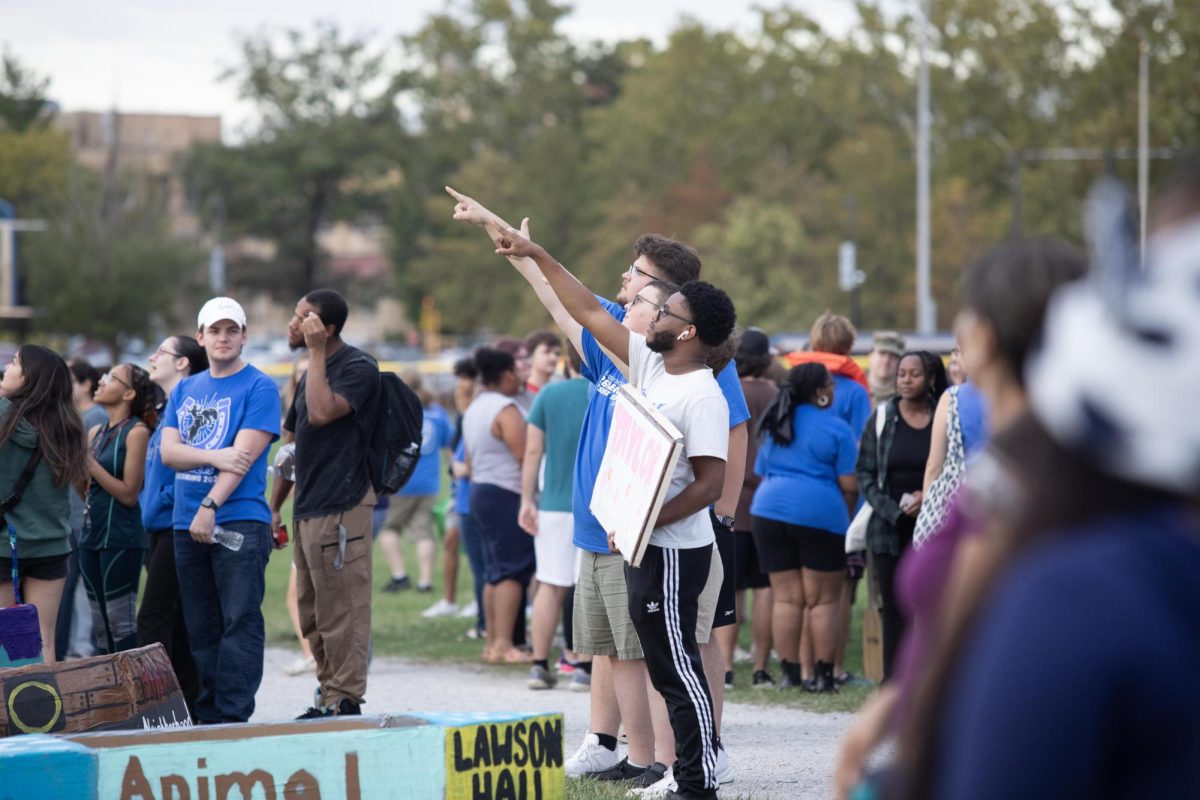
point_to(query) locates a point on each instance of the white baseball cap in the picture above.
(220, 308)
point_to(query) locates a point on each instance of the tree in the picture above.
(23, 103)
(107, 267)
(324, 149)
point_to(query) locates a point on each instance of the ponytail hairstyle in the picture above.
(189, 348)
(492, 364)
(144, 404)
(46, 403)
(801, 386)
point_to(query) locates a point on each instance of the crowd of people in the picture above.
(1027, 526)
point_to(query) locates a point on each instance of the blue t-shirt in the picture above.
(436, 434)
(157, 497)
(606, 380)
(851, 402)
(462, 486)
(208, 412)
(800, 481)
(1079, 680)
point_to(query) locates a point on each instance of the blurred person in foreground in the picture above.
(1003, 304)
(1093, 562)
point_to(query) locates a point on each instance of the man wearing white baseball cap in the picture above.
(217, 428)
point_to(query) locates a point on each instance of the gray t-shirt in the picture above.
(491, 460)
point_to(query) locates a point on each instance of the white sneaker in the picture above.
(442, 608)
(471, 609)
(742, 656)
(301, 665)
(724, 769)
(660, 789)
(590, 757)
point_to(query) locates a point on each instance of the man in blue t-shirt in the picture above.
(217, 428)
(661, 265)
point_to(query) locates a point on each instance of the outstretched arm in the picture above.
(576, 298)
(467, 209)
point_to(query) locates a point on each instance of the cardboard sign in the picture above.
(136, 689)
(635, 473)
(20, 637)
(517, 760)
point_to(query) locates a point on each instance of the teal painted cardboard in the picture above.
(46, 767)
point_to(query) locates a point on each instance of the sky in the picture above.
(165, 56)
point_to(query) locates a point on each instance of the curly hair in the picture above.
(492, 364)
(144, 404)
(712, 311)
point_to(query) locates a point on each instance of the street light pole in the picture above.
(926, 322)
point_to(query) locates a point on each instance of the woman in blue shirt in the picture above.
(799, 516)
(160, 618)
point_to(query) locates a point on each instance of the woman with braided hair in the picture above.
(113, 546)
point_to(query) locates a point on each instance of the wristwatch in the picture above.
(208, 502)
(726, 520)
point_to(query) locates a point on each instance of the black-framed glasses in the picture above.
(634, 270)
(663, 310)
(162, 351)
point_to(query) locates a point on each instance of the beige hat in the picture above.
(888, 342)
(220, 308)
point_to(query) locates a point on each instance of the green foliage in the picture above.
(107, 267)
(23, 102)
(33, 167)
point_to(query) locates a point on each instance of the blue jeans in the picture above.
(222, 594)
(473, 544)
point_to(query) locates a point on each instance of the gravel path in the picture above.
(780, 753)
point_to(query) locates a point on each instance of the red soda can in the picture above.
(281, 536)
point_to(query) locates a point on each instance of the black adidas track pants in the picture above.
(663, 595)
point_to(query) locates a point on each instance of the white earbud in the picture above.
(681, 336)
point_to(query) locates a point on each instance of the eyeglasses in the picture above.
(664, 311)
(162, 351)
(637, 298)
(634, 270)
(112, 376)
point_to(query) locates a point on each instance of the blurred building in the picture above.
(149, 144)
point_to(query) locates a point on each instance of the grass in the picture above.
(399, 629)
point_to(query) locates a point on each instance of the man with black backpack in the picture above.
(333, 417)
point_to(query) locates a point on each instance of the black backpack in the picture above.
(394, 441)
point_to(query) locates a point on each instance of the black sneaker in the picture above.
(729, 679)
(653, 774)
(623, 771)
(397, 585)
(762, 679)
(316, 712)
(346, 708)
(424, 588)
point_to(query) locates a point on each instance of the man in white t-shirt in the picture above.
(669, 366)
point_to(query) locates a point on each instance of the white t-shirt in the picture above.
(695, 404)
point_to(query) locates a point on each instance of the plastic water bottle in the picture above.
(227, 538)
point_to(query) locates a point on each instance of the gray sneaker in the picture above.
(580, 681)
(541, 678)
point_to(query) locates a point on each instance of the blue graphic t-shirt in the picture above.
(157, 497)
(606, 379)
(208, 412)
(436, 434)
(800, 480)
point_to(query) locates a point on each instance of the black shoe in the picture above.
(316, 712)
(824, 682)
(424, 588)
(623, 771)
(346, 708)
(653, 774)
(762, 679)
(844, 678)
(729, 679)
(397, 585)
(809, 685)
